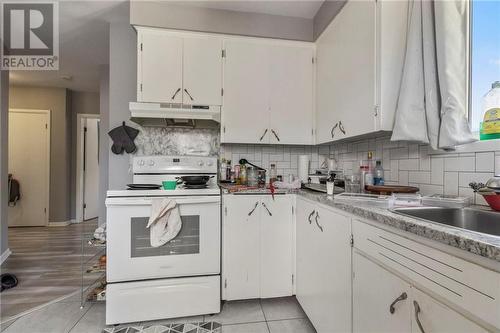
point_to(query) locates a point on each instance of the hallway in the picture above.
(47, 263)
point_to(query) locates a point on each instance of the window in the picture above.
(485, 57)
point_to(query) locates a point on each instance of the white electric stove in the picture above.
(180, 278)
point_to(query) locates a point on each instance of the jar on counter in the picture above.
(252, 176)
(243, 174)
(273, 173)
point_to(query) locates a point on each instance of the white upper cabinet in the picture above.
(291, 102)
(159, 64)
(268, 92)
(245, 111)
(179, 68)
(202, 71)
(359, 63)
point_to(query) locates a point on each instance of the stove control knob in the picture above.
(151, 163)
(200, 163)
(141, 162)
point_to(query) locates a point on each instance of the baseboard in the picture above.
(5, 255)
(59, 224)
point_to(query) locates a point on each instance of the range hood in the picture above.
(174, 115)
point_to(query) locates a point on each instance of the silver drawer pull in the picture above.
(254, 208)
(341, 127)
(276, 135)
(333, 129)
(191, 97)
(317, 223)
(401, 297)
(264, 205)
(175, 94)
(417, 318)
(310, 216)
(263, 135)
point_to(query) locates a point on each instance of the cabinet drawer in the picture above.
(472, 287)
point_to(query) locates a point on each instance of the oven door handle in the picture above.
(146, 201)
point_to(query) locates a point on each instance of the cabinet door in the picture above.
(202, 71)
(434, 316)
(374, 290)
(276, 256)
(245, 113)
(159, 67)
(306, 278)
(345, 86)
(291, 100)
(332, 294)
(241, 247)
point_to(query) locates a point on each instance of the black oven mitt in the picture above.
(123, 139)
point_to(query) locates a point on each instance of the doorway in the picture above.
(87, 177)
(29, 164)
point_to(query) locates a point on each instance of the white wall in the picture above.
(165, 15)
(122, 90)
(4, 135)
(104, 141)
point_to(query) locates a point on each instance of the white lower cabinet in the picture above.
(375, 290)
(257, 246)
(323, 268)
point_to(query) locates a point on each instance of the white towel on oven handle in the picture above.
(165, 221)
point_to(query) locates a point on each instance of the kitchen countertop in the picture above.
(484, 245)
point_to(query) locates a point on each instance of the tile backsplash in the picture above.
(404, 163)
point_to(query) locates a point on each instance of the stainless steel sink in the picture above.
(486, 222)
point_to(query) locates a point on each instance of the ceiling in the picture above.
(84, 40)
(83, 45)
(298, 8)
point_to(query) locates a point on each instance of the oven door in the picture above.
(194, 251)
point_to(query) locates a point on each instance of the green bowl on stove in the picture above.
(169, 184)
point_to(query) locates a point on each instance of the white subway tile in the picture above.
(403, 178)
(410, 164)
(419, 177)
(394, 174)
(485, 162)
(478, 177)
(399, 153)
(461, 163)
(466, 192)
(426, 189)
(451, 183)
(497, 164)
(437, 171)
(425, 159)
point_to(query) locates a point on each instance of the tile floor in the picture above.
(278, 315)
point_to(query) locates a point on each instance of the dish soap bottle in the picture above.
(378, 174)
(490, 127)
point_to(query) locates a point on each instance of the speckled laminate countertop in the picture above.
(487, 246)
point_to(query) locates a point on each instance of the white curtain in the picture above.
(432, 104)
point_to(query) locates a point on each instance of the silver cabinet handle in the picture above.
(317, 223)
(254, 208)
(310, 216)
(341, 127)
(333, 129)
(401, 297)
(191, 97)
(264, 205)
(263, 135)
(276, 135)
(176, 92)
(417, 312)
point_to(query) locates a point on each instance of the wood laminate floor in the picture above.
(47, 262)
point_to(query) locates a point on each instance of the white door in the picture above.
(29, 140)
(159, 65)
(345, 88)
(91, 169)
(306, 278)
(332, 295)
(202, 71)
(374, 291)
(434, 316)
(291, 100)
(241, 247)
(245, 114)
(276, 255)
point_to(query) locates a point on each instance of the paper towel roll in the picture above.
(303, 164)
